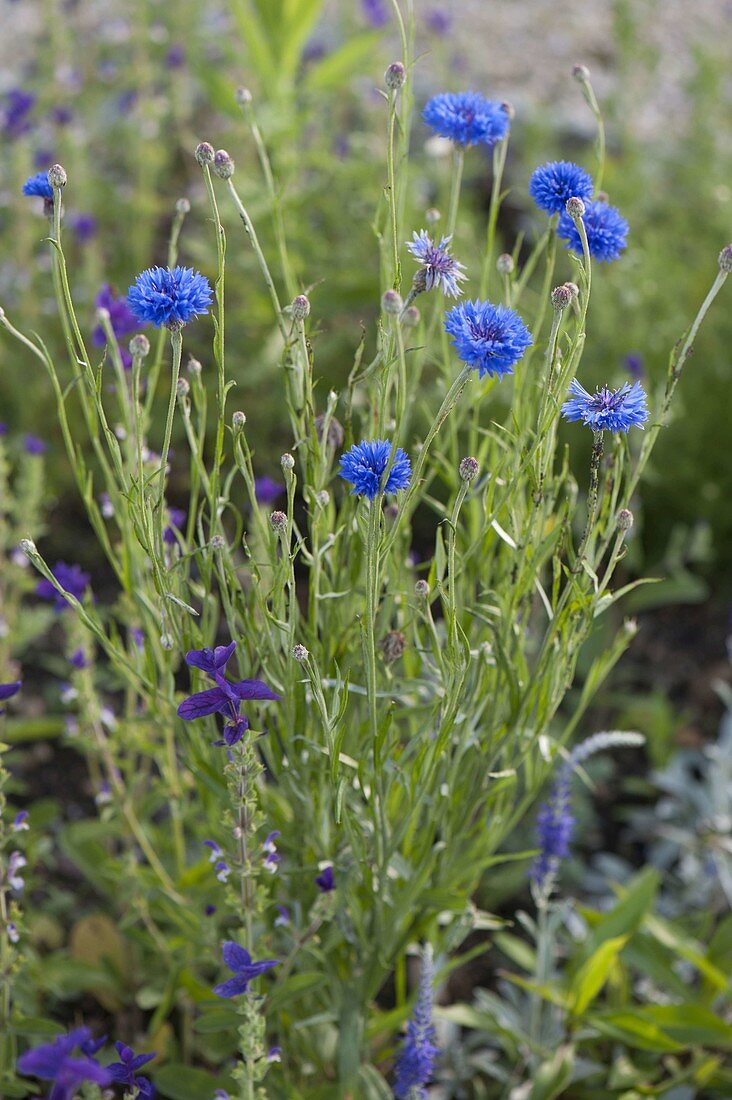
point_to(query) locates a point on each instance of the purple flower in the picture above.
(467, 118)
(39, 185)
(438, 21)
(21, 822)
(138, 637)
(365, 464)
(245, 970)
(61, 115)
(634, 365)
(55, 1062)
(121, 318)
(606, 229)
(17, 106)
(326, 881)
(607, 410)
(34, 445)
(226, 697)
(170, 297)
(83, 226)
(124, 1072)
(552, 184)
(554, 829)
(272, 858)
(78, 659)
(283, 917)
(7, 691)
(72, 579)
(267, 490)
(439, 268)
(177, 518)
(214, 848)
(376, 12)
(490, 339)
(175, 57)
(415, 1064)
(222, 869)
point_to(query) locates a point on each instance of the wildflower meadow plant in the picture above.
(403, 630)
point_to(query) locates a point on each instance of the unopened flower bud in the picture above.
(421, 589)
(509, 109)
(194, 368)
(28, 547)
(182, 387)
(602, 196)
(391, 302)
(468, 469)
(725, 259)
(218, 542)
(411, 317)
(182, 207)
(561, 297)
(167, 641)
(393, 645)
(575, 208)
(323, 498)
(243, 96)
(238, 421)
(395, 76)
(581, 73)
(432, 216)
(504, 264)
(139, 346)
(205, 153)
(625, 519)
(57, 176)
(300, 307)
(287, 462)
(336, 434)
(278, 521)
(300, 653)
(573, 289)
(223, 165)
(391, 511)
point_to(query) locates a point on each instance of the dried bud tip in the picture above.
(300, 307)
(204, 153)
(139, 346)
(167, 641)
(504, 264)
(468, 469)
(575, 208)
(287, 462)
(725, 259)
(625, 519)
(392, 646)
(573, 289)
(278, 521)
(57, 176)
(335, 435)
(561, 297)
(300, 653)
(223, 165)
(323, 498)
(395, 76)
(238, 420)
(218, 542)
(194, 368)
(391, 302)
(581, 73)
(432, 216)
(243, 97)
(182, 207)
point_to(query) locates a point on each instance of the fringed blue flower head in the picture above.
(552, 184)
(365, 464)
(160, 296)
(489, 338)
(38, 185)
(467, 118)
(606, 229)
(438, 266)
(607, 410)
(415, 1064)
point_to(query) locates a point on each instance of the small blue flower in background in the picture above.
(282, 919)
(124, 1072)
(7, 691)
(161, 296)
(272, 857)
(326, 881)
(467, 118)
(489, 338)
(226, 697)
(245, 970)
(214, 849)
(552, 184)
(607, 410)
(267, 490)
(364, 466)
(14, 120)
(121, 318)
(634, 365)
(607, 232)
(38, 185)
(175, 57)
(376, 12)
(177, 518)
(222, 869)
(56, 1062)
(33, 445)
(20, 823)
(554, 828)
(78, 659)
(83, 226)
(16, 863)
(416, 1061)
(72, 578)
(438, 21)
(438, 266)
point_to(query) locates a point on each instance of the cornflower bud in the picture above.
(243, 97)
(581, 73)
(725, 259)
(182, 387)
(411, 317)
(300, 307)
(391, 302)
(504, 264)
(102, 315)
(57, 176)
(28, 547)
(432, 216)
(575, 208)
(182, 206)
(392, 646)
(323, 498)
(573, 289)
(238, 420)
(139, 346)
(218, 542)
(278, 522)
(395, 76)
(300, 653)
(287, 462)
(561, 297)
(625, 519)
(421, 589)
(194, 368)
(468, 469)
(223, 165)
(204, 153)
(336, 434)
(167, 641)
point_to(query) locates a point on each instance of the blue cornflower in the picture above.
(326, 881)
(415, 1063)
(438, 266)
(121, 318)
(245, 970)
(39, 185)
(607, 410)
(56, 1062)
(606, 230)
(72, 578)
(552, 184)
(467, 118)
(489, 338)
(364, 466)
(226, 697)
(124, 1072)
(15, 111)
(160, 296)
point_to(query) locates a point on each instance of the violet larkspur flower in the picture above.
(33, 445)
(124, 1072)
(552, 184)
(438, 266)
(245, 970)
(121, 318)
(72, 578)
(467, 118)
(606, 229)
(161, 296)
(326, 881)
(415, 1064)
(56, 1062)
(607, 410)
(226, 697)
(16, 108)
(38, 185)
(365, 464)
(488, 338)
(78, 659)
(222, 869)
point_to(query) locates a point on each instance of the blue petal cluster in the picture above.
(124, 1072)
(364, 466)
(227, 697)
(552, 184)
(467, 118)
(38, 185)
(438, 266)
(489, 338)
(58, 1062)
(245, 970)
(607, 410)
(606, 228)
(160, 296)
(554, 829)
(415, 1064)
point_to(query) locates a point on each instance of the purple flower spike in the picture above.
(245, 970)
(124, 1072)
